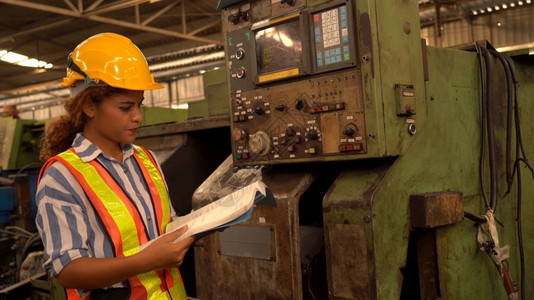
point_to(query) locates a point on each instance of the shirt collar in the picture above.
(89, 151)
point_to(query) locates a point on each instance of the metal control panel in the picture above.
(295, 84)
(310, 118)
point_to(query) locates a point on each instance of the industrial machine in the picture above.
(396, 167)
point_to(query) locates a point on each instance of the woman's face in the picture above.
(115, 120)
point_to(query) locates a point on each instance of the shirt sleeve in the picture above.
(61, 218)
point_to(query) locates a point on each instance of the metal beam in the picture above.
(159, 13)
(93, 17)
(35, 29)
(94, 5)
(200, 29)
(69, 4)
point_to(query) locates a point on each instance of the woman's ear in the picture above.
(89, 109)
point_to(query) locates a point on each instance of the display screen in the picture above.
(279, 47)
(332, 45)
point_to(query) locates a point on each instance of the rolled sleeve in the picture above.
(62, 223)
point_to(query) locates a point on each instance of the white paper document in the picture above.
(229, 210)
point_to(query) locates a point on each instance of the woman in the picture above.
(99, 196)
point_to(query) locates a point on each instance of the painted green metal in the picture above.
(161, 115)
(19, 142)
(216, 94)
(443, 157)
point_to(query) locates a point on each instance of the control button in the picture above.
(238, 156)
(238, 134)
(238, 102)
(350, 147)
(240, 73)
(291, 148)
(244, 155)
(312, 150)
(240, 53)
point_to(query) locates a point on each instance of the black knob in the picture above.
(233, 18)
(245, 15)
(299, 104)
(348, 131)
(259, 111)
(312, 134)
(280, 107)
(290, 131)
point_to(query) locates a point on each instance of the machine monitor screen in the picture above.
(279, 47)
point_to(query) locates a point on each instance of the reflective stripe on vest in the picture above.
(122, 220)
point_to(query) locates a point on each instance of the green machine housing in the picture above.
(371, 143)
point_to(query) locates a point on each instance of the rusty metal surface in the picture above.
(427, 262)
(231, 277)
(436, 209)
(348, 261)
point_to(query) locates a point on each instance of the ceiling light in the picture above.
(23, 60)
(34, 63)
(12, 57)
(490, 9)
(528, 1)
(520, 2)
(512, 4)
(497, 7)
(482, 11)
(499, 24)
(475, 12)
(504, 6)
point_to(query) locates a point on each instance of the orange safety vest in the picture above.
(122, 221)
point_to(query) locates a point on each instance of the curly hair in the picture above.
(62, 130)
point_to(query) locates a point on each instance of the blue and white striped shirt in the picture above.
(68, 224)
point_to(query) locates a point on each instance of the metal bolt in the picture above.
(407, 27)
(412, 129)
(371, 135)
(367, 218)
(365, 58)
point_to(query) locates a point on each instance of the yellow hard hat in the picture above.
(112, 59)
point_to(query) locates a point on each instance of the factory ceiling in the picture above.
(165, 30)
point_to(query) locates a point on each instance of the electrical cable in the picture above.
(509, 95)
(511, 77)
(490, 128)
(520, 233)
(483, 126)
(520, 157)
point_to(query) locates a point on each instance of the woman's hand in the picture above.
(94, 273)
(164, 253)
